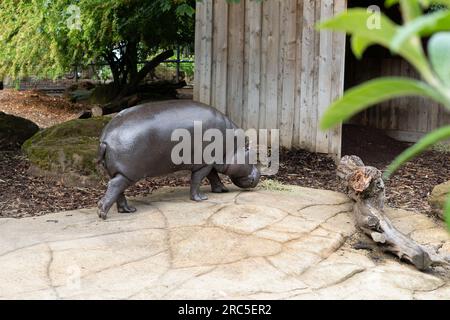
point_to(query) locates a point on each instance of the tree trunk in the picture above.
(129, 95)
(164, 89)
(132, 86)
(366, 187)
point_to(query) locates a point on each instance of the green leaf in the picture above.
(390, 3)
(442, 2)
(357, 22)
(424, 25)
(410, 9)
(359, 45)
(439, 52)
(422, 145)
(372, 92)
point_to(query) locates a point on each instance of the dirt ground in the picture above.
(42, 109)
(22, 194)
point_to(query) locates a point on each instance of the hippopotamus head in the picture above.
(246, 177)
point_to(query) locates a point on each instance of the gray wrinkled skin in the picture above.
(137, 144)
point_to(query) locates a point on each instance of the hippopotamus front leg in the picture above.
(216, 184)
(116, 187)
(196, 179)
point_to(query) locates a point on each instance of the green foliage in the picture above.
(373, 92)
(47, 37)
(438, 50)
(421, 18)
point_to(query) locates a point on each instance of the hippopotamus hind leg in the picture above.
(123, 206)
(216, 184)
(116, 187)
(196, 179)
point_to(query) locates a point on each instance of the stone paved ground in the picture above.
(294, 244)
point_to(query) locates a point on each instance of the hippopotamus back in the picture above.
(138, 140)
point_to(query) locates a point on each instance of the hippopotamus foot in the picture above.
(196, 179)
(116, 187)
(123, 206)
(216, 184)
(199, 197)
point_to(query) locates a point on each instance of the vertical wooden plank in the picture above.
(281, 43)
(246, 63)
(236, 61)
(413, 109)
(298, 73)
(289, 18)
(337, 79)
(384, 108)
(273, 54)
(433, 116)
(400, 103)
(220, 55)
(265, 23)
(198, 56)
(206, 52)
(308, 116)
(443, 117)
(325, 63)
(254, 10)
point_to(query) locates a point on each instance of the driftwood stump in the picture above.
(366, 187)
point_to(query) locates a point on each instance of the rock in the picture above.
(262, 244)
(67, 151)
(14, 131)
(438, 197)
(97, 111)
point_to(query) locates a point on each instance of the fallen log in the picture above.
(156, 91)
(364, 185)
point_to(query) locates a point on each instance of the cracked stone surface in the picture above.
(295, 244)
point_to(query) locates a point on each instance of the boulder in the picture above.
(438, 197)
(67, 151)
(14, 131)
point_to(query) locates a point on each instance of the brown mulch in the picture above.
(24, 195)
(42, 109)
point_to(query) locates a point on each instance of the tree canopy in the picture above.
(47, 37)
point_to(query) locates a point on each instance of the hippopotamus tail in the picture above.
(101, 153)
(101, 163)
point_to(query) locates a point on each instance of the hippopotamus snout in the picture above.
(249, 181)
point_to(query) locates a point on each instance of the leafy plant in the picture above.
(422, 18)
(48, 37)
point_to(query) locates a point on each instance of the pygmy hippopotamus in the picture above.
(137, 143)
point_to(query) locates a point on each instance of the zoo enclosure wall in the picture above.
(266, 66)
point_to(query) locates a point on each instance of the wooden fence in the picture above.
(266, 66)
(406, 119)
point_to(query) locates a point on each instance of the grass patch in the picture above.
(274, 185)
